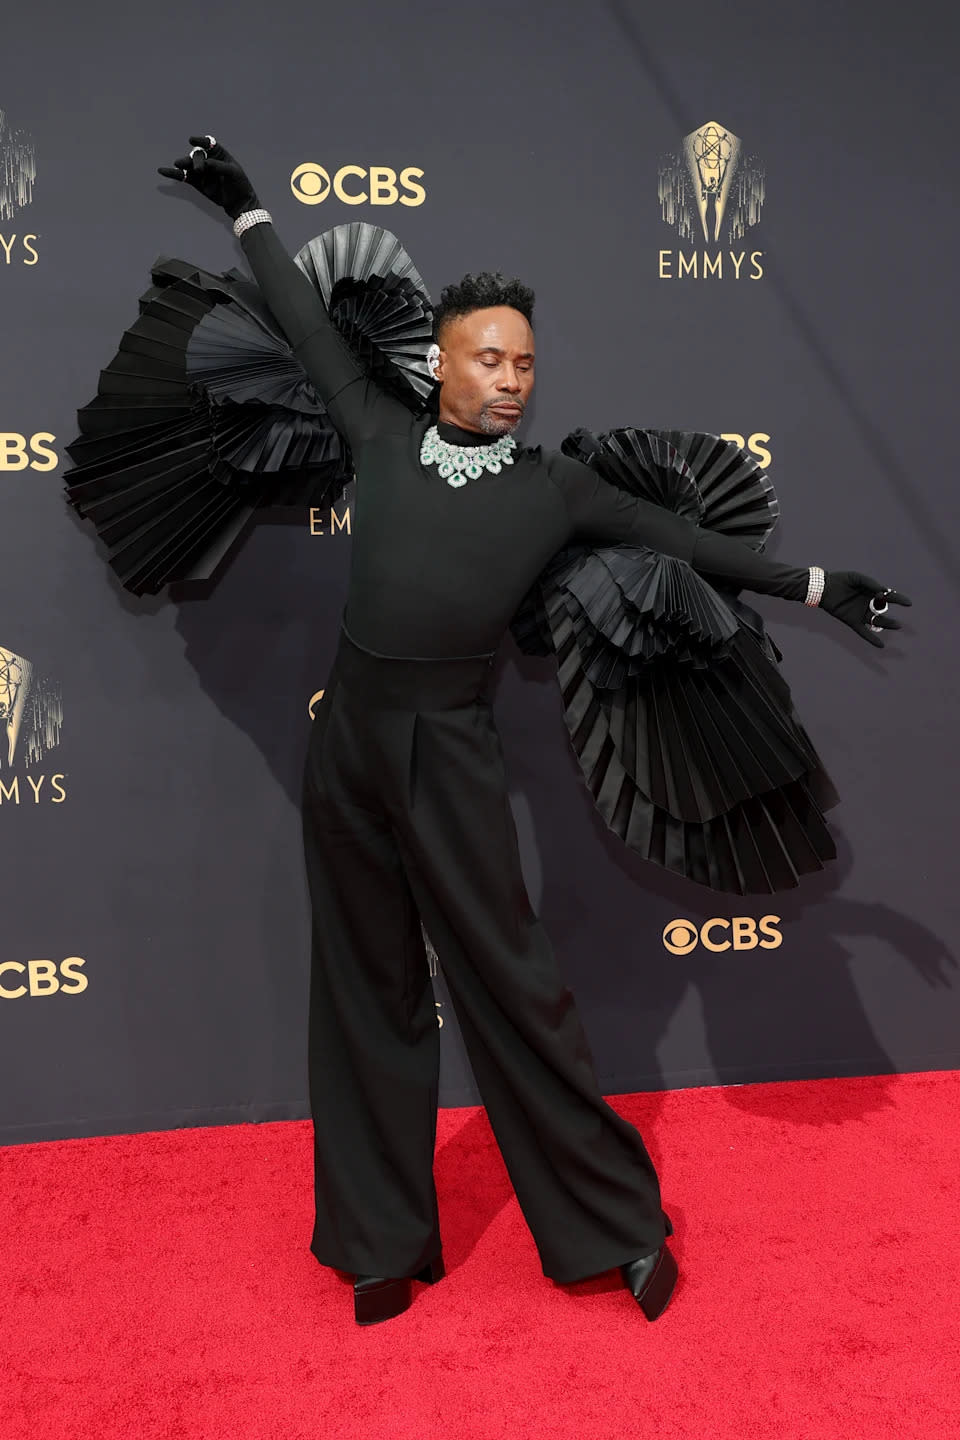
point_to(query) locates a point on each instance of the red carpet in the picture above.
(159, 1287)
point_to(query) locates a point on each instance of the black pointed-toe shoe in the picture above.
(651, 1281)
(376, 1299)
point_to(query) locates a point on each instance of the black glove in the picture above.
(214, 172)
(847, 595)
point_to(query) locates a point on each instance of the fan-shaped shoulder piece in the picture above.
(377, 299)
(683, 728)
(644, 464)
(205, 415)
(738, 496)
(202, 417)
(735, 494)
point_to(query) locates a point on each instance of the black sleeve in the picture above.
(729, 559)
(600, 511)
(355, 403)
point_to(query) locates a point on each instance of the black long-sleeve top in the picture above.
(438, 570)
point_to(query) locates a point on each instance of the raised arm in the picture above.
(600, 511)
(351, 397)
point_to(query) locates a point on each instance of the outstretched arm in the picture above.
(600, 511)
(348, 393)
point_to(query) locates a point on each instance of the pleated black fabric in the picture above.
(205, 415)
(177, 453)
(701, 476)
(683, 727)
(379, 304)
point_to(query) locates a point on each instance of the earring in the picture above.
(433, 360)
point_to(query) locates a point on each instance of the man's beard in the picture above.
(492, 424)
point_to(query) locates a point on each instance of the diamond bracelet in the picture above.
(251, 217)
(815, 585)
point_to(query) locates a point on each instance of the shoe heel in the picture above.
(376, 1300)
(433, 1272)
(657, 1292)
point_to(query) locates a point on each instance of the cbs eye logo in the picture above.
(358, 185)
(740, 933)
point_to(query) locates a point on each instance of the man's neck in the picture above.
(456, 434)
(445, 418)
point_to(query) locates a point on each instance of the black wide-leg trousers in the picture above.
(406, 816)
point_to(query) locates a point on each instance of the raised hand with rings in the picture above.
(213, 171)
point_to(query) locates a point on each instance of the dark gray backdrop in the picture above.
(172, 867)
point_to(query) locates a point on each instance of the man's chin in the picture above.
(492, 424)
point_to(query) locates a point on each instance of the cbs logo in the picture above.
(754, 444)
(376, 185)
(43, 977)
(16, 451)
(740, 933)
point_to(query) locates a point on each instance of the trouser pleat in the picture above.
(373, 1045)
(406, 816)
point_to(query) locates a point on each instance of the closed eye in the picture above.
(492, 365)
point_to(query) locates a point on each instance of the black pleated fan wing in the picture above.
(682, 725)
(205, 415)
(738, 498)
(379, 303)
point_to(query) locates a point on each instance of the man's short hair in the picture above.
(479, 292)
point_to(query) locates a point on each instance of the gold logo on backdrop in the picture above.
(358, 184)
(27, 452)
(42, 977)
(31, 714)
(711, 155)
(756, 445)
(711, 191)
(329, 522)
(741, 932)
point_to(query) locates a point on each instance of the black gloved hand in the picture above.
(214, 172)
(847, 595)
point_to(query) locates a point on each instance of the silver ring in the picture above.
(876, 628)
(211, 141)
(198, 150)
(876, 609)
(183, 172)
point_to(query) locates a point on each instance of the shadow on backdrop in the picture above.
(758, 1014)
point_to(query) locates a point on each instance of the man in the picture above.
(406, 815)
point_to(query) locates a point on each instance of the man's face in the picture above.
(486, 369)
